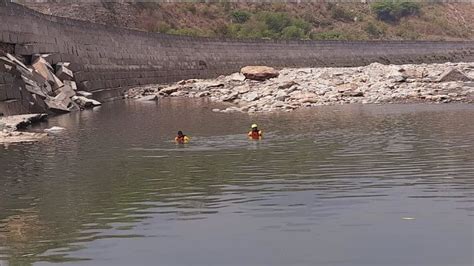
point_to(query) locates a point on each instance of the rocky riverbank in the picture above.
(293, 88)
(10, 125)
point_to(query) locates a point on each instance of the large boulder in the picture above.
(259, 72)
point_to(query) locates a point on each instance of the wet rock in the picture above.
(148, 98)
(54, 129)
(85, 93)
(169, 90)
(259, 73)
(85, 103)
(16, 122)
(57, 105)
(18, 137)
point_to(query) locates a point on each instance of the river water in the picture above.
(343, 185)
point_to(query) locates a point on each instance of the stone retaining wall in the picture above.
(106, 60)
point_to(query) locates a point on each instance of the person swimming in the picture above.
(181, 138)
(255, 133)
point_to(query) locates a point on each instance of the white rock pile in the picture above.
(295, 88)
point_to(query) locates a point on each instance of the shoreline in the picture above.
(296, 88)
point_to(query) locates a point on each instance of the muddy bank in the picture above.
(295, 88)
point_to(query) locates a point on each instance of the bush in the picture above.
(162, 27)
(275, 22)
(388, 10)
(408, 9)
(292, 32)
(241, 16)
(341, 14)
(373, 30)
(300, 23)
(328, 35)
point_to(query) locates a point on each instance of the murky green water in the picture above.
(347, 185)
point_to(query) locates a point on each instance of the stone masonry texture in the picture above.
(107, 60)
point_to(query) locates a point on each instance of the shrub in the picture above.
(162, 27)
(406, 8)
(328, 35)
(292, 32)
(373, 30)
(300, 23)
(275, 22)
(341, 14)
(241, 16)
(389, 10)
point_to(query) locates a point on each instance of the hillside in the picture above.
(319, 21)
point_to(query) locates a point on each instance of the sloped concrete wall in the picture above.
(106, 60)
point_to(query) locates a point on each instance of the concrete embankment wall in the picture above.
(106, 60)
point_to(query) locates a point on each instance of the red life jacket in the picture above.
(180, 139)
(255, 134)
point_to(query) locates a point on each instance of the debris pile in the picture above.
(42, 86)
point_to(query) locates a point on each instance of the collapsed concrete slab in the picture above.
(64, 73)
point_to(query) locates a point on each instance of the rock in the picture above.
(259, 73)
(57, 105)
(203, 94)
(399, 78)
(242, 89)
(216, 110)
(85, 93)
(57, 83)
(85, 103)
(71, 84)
(287, 85)
(145, 98)
(231, 97)
(16, 122)
(236, 77)
(281, 95)
(214, 85)
(250, 97)
(453, 75)
(54, 129)
(44, 69)
(19, 64)
(169, 90)
(18, 137)
(63, 73)
(353, 93)
(413, 73)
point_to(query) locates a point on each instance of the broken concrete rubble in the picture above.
(63, 73)
(37, 88)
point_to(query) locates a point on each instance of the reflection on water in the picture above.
(347, 185)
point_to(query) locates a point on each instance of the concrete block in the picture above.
(63, 73)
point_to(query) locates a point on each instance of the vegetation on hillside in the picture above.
(380, 19)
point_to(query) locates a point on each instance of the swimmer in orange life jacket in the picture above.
(255, 133)
(181, 138)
